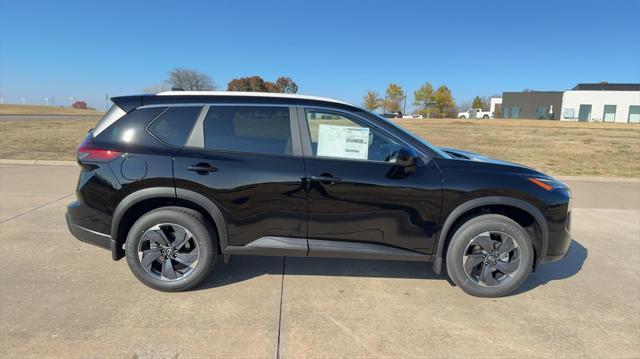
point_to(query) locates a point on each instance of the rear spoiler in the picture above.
(128, 103)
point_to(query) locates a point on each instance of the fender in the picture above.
(165, 192)
(484, 201)
(213, 210)
(128, 202)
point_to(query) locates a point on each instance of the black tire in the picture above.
(463, 252)
(485, 116)
(203, 238)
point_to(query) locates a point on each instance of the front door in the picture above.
(245, 161)
(353, 194)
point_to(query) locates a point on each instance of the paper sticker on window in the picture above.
(343, 142)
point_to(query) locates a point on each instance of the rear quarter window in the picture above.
(130, 128)
(174, 125)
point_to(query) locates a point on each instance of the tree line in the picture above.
(427, 101)
(194, 80)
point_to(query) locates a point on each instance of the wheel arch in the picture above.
(137, 203)
(491, 204)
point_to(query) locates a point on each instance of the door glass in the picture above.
(252, 129)
(584, 113)
(541, 113)
(337, 136)
(609, 114)
(515, 112)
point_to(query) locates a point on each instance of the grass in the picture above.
(558, 148)
(7, 109)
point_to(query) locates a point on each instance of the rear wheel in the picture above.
(171, 248)
(489, 256)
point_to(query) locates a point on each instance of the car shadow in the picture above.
(565, 268)
(242, 268)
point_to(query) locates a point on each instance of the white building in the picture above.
(602, 102)
(495, 101)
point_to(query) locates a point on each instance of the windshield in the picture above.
(414, 136)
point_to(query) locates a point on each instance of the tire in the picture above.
(494, 275)
(158, 233)
(485, 116)
(461, 117)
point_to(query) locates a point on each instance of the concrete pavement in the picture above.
(60, 297)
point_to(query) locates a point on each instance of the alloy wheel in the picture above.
(492, 258)
(168, 252)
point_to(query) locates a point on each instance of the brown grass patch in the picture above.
(558, 148)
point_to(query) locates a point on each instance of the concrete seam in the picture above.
(34, 209)
(284, 261)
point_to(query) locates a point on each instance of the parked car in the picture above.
(391, 115)
(475, 113)
(180, 181)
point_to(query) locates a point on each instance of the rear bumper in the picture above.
(88, 236)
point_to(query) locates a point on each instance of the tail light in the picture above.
(88, 151)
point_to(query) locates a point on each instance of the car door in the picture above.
(354, 193)
(245, 159)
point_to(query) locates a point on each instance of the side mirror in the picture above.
(406, 157)
(406, 163)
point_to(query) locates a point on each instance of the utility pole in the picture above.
(404, 108)
(106, 102)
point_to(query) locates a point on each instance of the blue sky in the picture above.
(340, 49)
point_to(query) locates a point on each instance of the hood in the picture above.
(482, 159)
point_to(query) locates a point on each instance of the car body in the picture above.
(475, 113)
(291, 175)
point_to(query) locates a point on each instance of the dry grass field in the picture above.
(10, 109)
(558, 148)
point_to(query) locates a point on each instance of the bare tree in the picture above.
(190, 80)
(156, 88)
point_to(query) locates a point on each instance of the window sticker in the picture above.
(343, 142)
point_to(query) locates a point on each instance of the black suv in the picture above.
(178, 181)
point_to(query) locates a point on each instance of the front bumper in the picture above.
(88, 236)
(559, 241)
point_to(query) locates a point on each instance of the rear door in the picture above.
(245, 159)
(353, 194)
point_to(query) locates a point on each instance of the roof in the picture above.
(605, 86)
(250, 94)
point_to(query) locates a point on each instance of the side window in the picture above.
(337, 136)
(253, 129)
(174, 125)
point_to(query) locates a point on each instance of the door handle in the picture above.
(202, 168)
(324, 178)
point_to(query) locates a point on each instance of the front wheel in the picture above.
(171, 248)
(489, 256)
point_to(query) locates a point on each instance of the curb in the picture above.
(598, 179)
(39, 163)
(562, 178)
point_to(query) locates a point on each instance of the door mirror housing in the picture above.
(406, 163)
(407, 157)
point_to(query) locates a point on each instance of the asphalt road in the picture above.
(62, 298)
